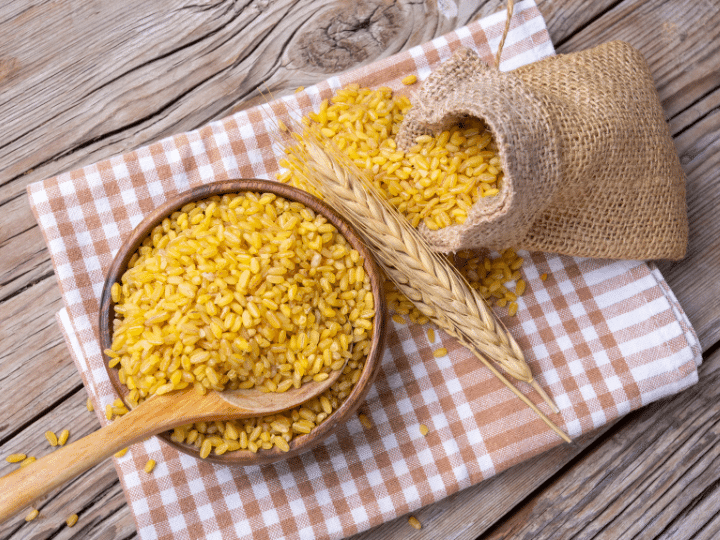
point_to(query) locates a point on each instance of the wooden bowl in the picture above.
(352, 402)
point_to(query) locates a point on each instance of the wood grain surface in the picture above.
(82, 81)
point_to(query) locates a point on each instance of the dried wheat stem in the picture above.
(544, 395)
(519, 394)
(437, 288)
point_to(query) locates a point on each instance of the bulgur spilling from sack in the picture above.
(243, 291)
(434, 183)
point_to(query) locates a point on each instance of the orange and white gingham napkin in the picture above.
(603, 338)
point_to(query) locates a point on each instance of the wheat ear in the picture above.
(436, 288)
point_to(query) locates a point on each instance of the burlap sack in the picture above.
(590, 168)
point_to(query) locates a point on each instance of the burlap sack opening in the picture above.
(590, 169)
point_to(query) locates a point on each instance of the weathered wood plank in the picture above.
(25, 257)
(35, 366)
(696, 279)
(694, 113)
(96, 496)
(680, 41)
(82, 82)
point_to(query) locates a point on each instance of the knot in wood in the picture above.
(348, 35)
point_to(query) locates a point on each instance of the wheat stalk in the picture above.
(436, 287)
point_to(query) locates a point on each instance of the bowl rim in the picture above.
(351, 403)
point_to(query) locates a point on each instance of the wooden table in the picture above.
(82, 81)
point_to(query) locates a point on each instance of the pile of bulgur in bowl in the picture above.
(245, 284)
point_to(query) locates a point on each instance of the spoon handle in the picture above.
(22, 486)
(155, 415)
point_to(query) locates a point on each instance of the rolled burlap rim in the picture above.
(523, 130)
(589, 166)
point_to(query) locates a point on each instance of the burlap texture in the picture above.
(590, 169)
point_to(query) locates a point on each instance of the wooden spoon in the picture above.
(155, 415)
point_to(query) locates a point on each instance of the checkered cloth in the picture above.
(603, 338)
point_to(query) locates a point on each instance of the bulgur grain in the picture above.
(32, 515)
(206, 448)
(439, 353)
(149, 466)
(365, 421)
(520, 287)
(424, 430)
(62, 439)
(431, 335)
(51, 438)
(414, 522)
(71, 520)
(15, 458)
